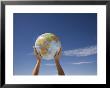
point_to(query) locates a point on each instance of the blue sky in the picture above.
(78, 36)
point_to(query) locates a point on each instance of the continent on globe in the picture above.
(47, 44)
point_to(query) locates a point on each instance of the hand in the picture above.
(58, 55)
(37, 54)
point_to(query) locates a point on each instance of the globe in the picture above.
(47, 45)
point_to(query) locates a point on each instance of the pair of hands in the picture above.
(56, 57)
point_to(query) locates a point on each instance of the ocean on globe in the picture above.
(47, 44)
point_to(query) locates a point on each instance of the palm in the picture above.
(37, 54)
(58, 54)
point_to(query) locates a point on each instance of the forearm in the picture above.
(36, 68)
(59, 68)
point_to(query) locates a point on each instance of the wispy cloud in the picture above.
(50, 64)
(78, 63)
(86, 51)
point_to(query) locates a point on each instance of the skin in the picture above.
(56, 58)
(37, 66)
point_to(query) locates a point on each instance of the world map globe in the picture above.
(47, 45)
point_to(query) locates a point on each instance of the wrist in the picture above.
(38, 60)
(56, 61)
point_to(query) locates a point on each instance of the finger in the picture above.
(35, 51)
(59, 51)
(55, 54)
(38, 53)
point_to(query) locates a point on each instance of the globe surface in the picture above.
(47, 44)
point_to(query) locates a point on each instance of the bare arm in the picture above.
(37, 66)
(59, 68)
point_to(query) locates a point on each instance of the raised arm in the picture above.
(37, 66)
(57, 57)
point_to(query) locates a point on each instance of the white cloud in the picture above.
(86, 51)
(50, 64)
(82, 63)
